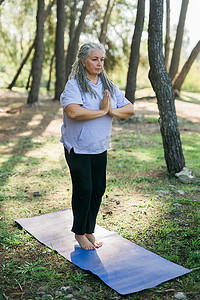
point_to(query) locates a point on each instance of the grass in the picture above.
(141, 203)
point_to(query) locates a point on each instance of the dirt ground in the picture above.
(19, 119)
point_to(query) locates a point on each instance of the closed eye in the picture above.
(94, 59)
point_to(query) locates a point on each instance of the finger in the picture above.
(105, 96)
(106, 93)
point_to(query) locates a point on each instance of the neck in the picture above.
(93, 79)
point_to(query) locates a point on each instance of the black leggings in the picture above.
(88, 173)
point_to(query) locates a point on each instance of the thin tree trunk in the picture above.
(185, 70)
(73, 43)
(28, 81)
(47, 12)
(21, 66)
(73, 20)
(106, 18)
(178, 41)
(59, 49)
(162, 86)
(50, 72)
(167, 38)
(38, 55)
(80, 25)
(135, 52)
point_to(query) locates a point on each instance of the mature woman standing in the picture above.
(89, 101)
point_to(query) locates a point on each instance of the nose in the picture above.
(100, 62)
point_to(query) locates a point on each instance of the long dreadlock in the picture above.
(78, 70)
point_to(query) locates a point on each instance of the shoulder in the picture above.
(71, 93)
(120, 97)
(116, 90)
(72, 82)
(72, 87)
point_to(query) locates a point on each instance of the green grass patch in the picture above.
(141, 203)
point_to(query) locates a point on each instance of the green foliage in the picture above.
(8, 238)
(17, 32)
(35, 271)
(192, 81)
(141, 203)
(17, 29)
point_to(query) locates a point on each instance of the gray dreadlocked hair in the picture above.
(78, 70)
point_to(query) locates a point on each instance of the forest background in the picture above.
(18, 27)
(142, 202)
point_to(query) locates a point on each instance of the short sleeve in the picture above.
(121, 99)
(71, 94)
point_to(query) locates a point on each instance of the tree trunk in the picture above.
(178, 41)
(59, 49)
(21, 66)
(73, 20)
(167, 38)
(50, 71)
(162, 86)
(73, 43)
(47, 12)
(38, 55)
(185, 70)
(104, 25)
(28, 81)
(135, 52)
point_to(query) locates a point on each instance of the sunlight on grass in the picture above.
(145, 156)
(141, 203)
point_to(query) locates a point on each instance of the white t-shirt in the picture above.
(88, 136)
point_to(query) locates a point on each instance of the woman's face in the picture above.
(94, 63)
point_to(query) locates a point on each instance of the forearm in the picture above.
(125, 111)
(81, 113)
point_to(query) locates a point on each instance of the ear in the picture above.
(83, 63)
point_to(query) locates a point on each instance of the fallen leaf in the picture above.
(16, 294)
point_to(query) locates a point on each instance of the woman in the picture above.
(89, 101)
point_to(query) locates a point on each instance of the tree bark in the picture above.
(59, 49)
(47, 12)
(185, 70)
(135, 52)
(50, 71)
(73, 43)
(28, 81)
(73, 19)
(38, 55)
(167, 37)
(106, 18)
(162, 86)
(21, 66)
(178, 41)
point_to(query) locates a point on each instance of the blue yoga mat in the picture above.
(121, 264)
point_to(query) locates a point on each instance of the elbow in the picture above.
(132, 114)
(73, 112)
(131, 111)
(70, 114)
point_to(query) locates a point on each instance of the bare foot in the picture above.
(93, 240)
(84, 242)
